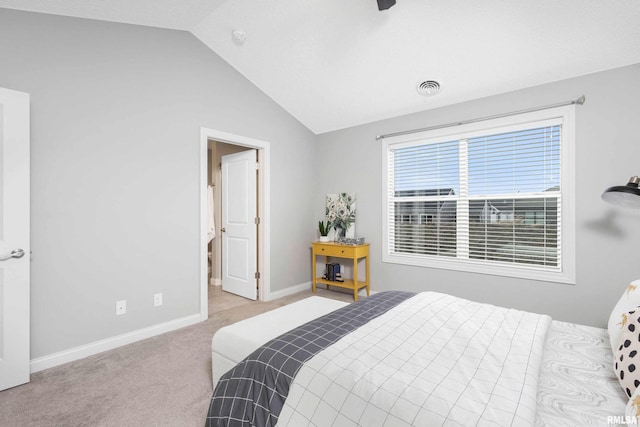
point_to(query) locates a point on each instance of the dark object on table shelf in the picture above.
(333, 271)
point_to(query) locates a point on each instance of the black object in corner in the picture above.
(385, 4)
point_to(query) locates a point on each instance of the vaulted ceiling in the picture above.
(338, 63)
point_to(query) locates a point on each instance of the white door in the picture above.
(239, 229)
(14, 238)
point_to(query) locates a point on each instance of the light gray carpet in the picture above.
(161, 381)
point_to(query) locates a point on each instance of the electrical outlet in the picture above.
(121, 307)
(157, 300)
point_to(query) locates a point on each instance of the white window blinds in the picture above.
(425, 185)
(490, 197)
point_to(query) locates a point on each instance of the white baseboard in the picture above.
(288, 291)
(216, 282)
(86, 350)
(303, 287)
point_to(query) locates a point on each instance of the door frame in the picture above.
(264, 202)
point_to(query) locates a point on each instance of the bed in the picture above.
(407, 359)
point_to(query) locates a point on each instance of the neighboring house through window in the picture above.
(492, 197)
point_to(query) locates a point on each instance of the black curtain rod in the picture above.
(578, 101)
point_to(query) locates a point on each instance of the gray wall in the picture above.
(115, 125)
(607, 239)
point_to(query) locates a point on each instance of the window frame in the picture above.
(566, 273)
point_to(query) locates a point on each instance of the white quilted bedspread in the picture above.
(434, 360)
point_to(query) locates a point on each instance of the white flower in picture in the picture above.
(341, 213)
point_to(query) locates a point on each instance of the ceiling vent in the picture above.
(428, 88)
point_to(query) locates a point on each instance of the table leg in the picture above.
(326, 261)
(366, 262)
(355, 279)
(313, 271)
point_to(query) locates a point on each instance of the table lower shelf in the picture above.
(347, 283)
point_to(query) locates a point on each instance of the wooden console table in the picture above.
(335, 250)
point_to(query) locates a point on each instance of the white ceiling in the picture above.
(339, 63)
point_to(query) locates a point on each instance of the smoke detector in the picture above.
(238, 36)
(428, 88)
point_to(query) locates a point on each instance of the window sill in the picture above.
(481, 267)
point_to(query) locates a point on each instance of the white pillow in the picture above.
(626, 358)
(618, 319)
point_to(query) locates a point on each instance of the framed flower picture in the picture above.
(341, 214)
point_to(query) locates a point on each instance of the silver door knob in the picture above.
(224, 230)
(16, 253)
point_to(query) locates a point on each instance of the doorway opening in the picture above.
(229, 145)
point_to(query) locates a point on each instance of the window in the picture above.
(492, 197)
